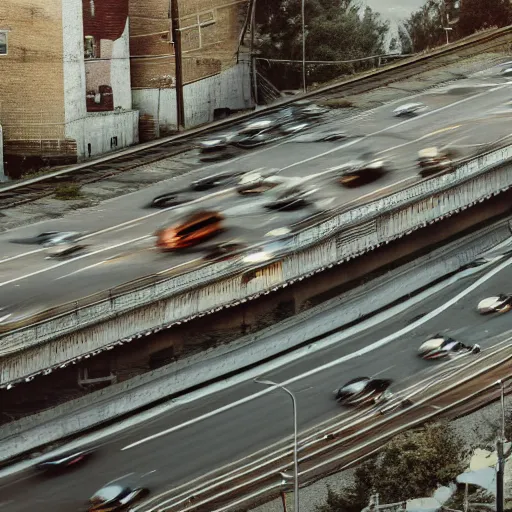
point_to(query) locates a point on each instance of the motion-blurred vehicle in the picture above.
(506, 72)
(64, 461)
(64, 244)
(432, 160)
(409, 109)
(225, 251)
(115, 497)
(217, 147)
(257, 133)
(189, 230)
(440, 347)
(290, 197)
(216, 180)
(363, 390)
(499, 304)
(168, 200)
(358, 172)
(302, 110)
(259, 181)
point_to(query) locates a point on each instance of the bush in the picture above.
(67, 192)
(410, 466)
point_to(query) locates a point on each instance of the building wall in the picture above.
(98, 101)
(32, 96)
(210, 32)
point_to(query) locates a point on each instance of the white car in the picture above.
(409, 109)
(499, 304)
(64, 244)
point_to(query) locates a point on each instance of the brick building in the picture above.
(45, 111)
(71, 69)
(215, 75)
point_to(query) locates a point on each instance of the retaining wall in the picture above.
(86, 330)
(114, 401)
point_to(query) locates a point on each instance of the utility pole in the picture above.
(253, 57)
(176, 37)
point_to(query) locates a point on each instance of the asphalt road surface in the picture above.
(466, 115)
(203, 438)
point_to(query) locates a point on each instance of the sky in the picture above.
(395, 9)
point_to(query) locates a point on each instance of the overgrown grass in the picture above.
(336, 103)
(67, 192)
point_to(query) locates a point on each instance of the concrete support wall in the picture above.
(71, 336)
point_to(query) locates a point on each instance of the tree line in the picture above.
(343, 30)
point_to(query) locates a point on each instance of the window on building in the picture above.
(3, 42)
(89, 47)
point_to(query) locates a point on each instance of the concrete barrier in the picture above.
(114, 401)
(61, 340)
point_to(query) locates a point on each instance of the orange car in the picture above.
(190, 231)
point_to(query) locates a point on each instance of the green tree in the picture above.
(480, 14)
(409, 466)
(424, 28)
(335, 30)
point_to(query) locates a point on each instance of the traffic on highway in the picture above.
(260, 195)
(271, 175)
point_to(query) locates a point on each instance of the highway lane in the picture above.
(456, 118)
(201, 445)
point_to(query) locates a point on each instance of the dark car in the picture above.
(64, 461)
(215, 180)
(115, 497)
(285, 197)
(440, 346)
(433, 161)
(224, 251)
(363, 390)
(168, 200)
(359, 172)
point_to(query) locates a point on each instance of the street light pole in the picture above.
(501, 458)
(267, 382)
(304, 89)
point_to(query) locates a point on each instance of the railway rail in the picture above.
(340, 443)
(30, 190)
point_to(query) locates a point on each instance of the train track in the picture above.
(30, 190)
(347, 439)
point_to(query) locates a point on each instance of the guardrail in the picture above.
(346, 235)
(491, 38)
(323, 448)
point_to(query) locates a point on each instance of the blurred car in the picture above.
(115, 497)
(64, 461)
(432, 160)
(257, 133)
(168, 200)
(333, 137)
(64, 244)
(409, 109)
(506, 72)
(289, 197)
(215, 180)
(216, 148)
(258, 181)
(361, 171)
(225, 250)
(293, 127)
(363, 390)
(440, 346)
(499, 304)
(189, 229)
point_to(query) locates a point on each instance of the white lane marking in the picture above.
(142, 420)
(20, 278)
(20, 255)
(369, 348)
(119, 478)
(383, 130)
